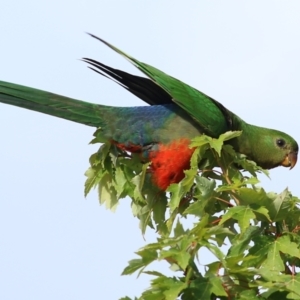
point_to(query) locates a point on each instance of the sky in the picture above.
(54, 242)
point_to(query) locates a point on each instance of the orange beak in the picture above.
(293, 159)
(290, 160)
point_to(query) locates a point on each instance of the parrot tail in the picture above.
(51, 104)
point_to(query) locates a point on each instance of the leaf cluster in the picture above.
(253, 234)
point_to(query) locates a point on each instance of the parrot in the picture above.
(162, 131)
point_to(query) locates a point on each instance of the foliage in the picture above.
(253, 234)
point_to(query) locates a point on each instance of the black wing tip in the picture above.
(99, 39)
(141, 87)
(92, 35)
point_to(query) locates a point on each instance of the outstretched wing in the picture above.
(211, 115)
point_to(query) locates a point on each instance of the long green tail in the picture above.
(140, 125)
(51, 104)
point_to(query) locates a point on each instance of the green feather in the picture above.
(51, 104)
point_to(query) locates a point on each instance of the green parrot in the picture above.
(161, 132)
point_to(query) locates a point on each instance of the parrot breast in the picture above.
(169, 162)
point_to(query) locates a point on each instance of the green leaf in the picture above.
(138, 182)
(217, 287)
(216, 251)
(262, 214)
(249, 295)
(242, 214)
(178, 230)
(133, 265)
(288, 247)
(200, 141)
(293, 285)
(107, 192)
(274, 261)
(279, 208)
(147, 257)
(120, 181)
(258, 253)
(217, 144)
(204, 193)
(177, 191)
(159, 211)
(241, 241)
(93, 178)
(178, 255)
(198, 289)
(174, 290)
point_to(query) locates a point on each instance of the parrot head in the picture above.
(284, 153)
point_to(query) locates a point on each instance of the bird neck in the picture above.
(253, 142)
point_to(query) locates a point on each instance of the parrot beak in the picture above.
(290, 160)
(293, 159)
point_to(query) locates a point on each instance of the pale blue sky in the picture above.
(55, 244)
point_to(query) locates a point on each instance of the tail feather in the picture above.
(51, 104)
(141, 125)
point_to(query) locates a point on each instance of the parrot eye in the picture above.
(280, 143)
